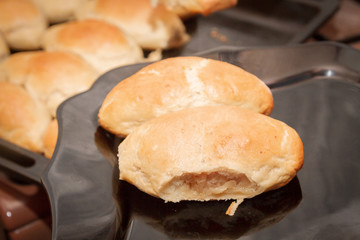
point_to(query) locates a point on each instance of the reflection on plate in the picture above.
(204, 220)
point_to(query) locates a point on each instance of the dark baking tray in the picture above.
(316, 90)
(249, 23)
(257, 23)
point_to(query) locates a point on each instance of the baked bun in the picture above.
(50, 77)
(176, 83)
(210, 153)
(4, 49)
(22, 119)
(190, 8)
(152, 27)
(57, 11)
(22, 24)
(100, 43)
(50, 138)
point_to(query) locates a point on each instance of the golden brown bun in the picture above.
(57, 11)
(4, 48)
(50, 138)
(188, 8)
(14, 69)
(22, 119)
(22, 24)
(50, 77)
(210, 153)
(152, 28)
(100, 43)
(177, 83)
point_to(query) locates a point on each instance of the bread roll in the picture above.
(22, 24)
(100, 43)
(50, 138)
(152, 27)
(4, 49)
(14, 69)
(188, 8)
(57, 11)
(177, 83)
(210, 153)
(22, 119)
(50, 77)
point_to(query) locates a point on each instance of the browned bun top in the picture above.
(57, 11)
(50, 77)
(89, 33)
(100, 43)
(22, 119)
(22, 24)
(178, 83)
(152, 27)
(17, 11)
(189, 8)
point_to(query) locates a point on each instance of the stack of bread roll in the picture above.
(43, 81)
(198, 129)
(53, 49)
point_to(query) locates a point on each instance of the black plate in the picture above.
(257, 23)
(316, 91)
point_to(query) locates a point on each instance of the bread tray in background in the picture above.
(319, 96)
(257, 23)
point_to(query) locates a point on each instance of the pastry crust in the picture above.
(57, 11)
(22, 24)
(210, 153)
(188, 8)
(49, 77)
(101, 44)
(22, 119)
(178, 83)
(152, 27)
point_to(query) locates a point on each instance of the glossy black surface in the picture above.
(202, 220)
(316, 90)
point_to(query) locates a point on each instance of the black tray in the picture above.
(257, 23)
(316, 91)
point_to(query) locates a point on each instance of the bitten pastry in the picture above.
(178, 83)
(152, 27)
(188, 8)
(101, 44)
(57, 11)
(210, 153)
(49, 77)
(22, 24)
(22, 119)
